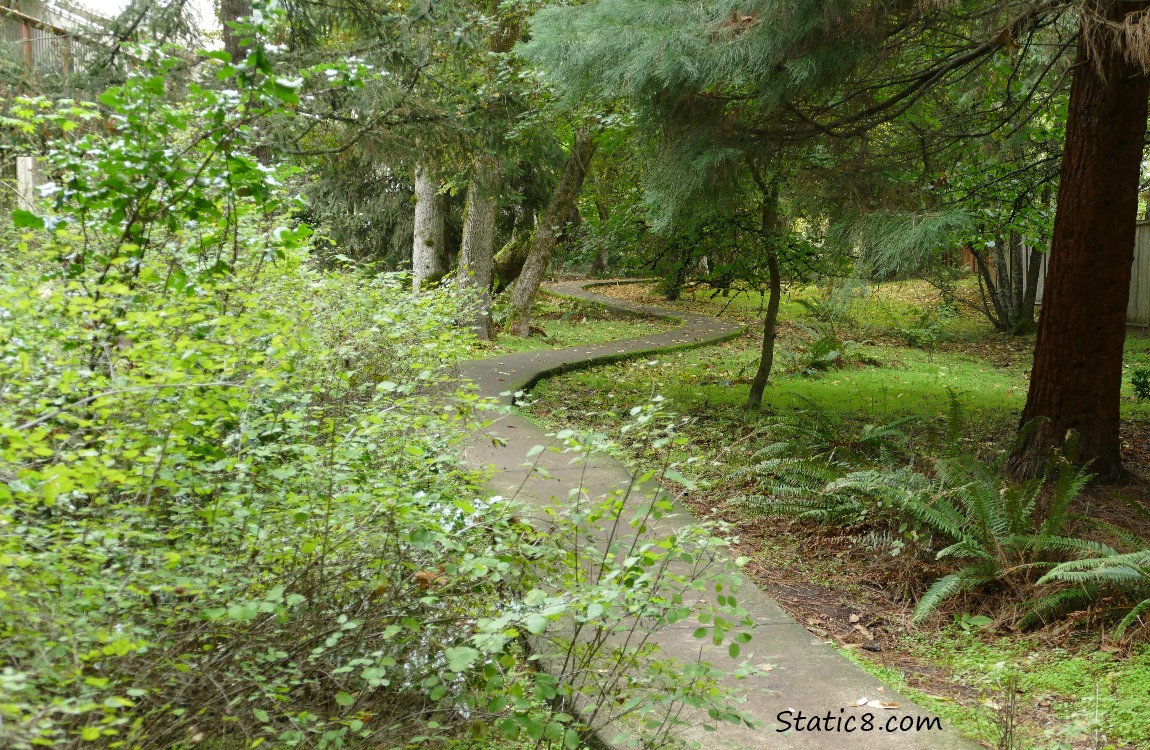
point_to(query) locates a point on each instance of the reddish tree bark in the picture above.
(1077, 373)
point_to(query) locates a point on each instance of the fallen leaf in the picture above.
(855, 618)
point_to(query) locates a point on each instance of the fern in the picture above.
(1126, 537)
(1119, 570)
(1049, 607)
(1127, 572)
(820, 470)
(946, 587)
(1131, 616)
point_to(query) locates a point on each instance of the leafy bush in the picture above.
(925, 331)
(1140, 381)
(232, 510)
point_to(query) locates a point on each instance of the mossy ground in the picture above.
(901, 351)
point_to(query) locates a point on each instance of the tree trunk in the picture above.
(547, 230)
(1077, 373)
(476, 251)
(770, 229)
(510, 259)
(599, 264)
(426, 259)
(230, 11)
(1030, 292)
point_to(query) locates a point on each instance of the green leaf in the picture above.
(534, 727)
(344, 699)
(535, 624)
(459, 658)
(287, 91)
(26, 220)
(90, 734)
(678, 478)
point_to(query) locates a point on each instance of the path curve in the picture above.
(807, 674)
(509, 373)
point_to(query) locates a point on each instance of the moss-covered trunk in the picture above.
(548, 230)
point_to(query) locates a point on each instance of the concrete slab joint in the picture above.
(809, 697)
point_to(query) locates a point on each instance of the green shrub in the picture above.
(232, 510)
(1140, 381)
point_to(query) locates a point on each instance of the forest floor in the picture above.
(871, 356)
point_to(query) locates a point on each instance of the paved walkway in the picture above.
(807, 675)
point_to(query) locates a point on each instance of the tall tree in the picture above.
(477, 250)
(427, 246)
(1077, 375)
(548, 229)
(230, 13)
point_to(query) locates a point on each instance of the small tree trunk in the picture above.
(599, 264)
(1017, 280)
(672, 285)
(770, 229)
(476, 252)
(1030, 292)
(1077, 375)
(547, 231)
(426, 258)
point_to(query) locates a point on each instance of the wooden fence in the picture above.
(33, 37)
(1138, 308)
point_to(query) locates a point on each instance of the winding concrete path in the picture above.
(806, 674)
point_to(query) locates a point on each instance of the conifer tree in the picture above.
(721, 76)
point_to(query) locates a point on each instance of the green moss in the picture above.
(971, 720)
(1090, 691)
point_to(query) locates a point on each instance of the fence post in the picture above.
(26, 39)
(26, 183)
